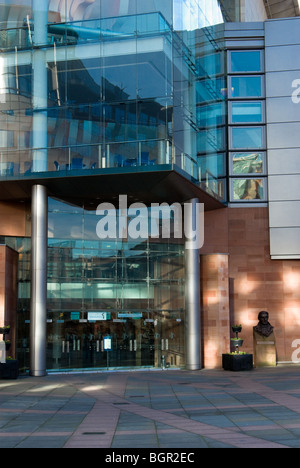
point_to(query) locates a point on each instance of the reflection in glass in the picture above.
(210, 65)
(247, 163)
(212, 170)
(247, 137)
(107, 106)
(116, 278)
(248, 189)
(211, 140)
(210, 89)
(212, 164)
(211, 115)
(246, 86)
(246, 112)
(246, 61)
(192, 14)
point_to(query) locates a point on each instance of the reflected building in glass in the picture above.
(162, 101)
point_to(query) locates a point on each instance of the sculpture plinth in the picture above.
(264, 342)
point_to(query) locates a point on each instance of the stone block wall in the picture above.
(255, 281)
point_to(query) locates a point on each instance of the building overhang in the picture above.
(92, 187)
(282, 8)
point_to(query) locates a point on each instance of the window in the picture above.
(247, 137)
(245, 86)
(213, 164)
(210, 65)
(246, 61)
(247, 133)
(247, 112)
(211, 115)
(211, 140)
(210, 89)
(248, 189)
(6, 139)
(247, 163)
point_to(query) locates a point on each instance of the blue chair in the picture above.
(119, 162)
(56, 164)
(130, 162)
(145, 161)
(76, 163)
(10, 168)
(144, 158)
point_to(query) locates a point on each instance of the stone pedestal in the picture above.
(264, 350)
(2, 352)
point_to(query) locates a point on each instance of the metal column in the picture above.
(192, 294)
(38, 312)
(40, 86)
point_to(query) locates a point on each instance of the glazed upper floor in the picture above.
(180, 15)
(113, 87)
(113, 90)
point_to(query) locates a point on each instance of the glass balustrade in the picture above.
(122, 155)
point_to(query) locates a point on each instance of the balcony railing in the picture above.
(121, 156)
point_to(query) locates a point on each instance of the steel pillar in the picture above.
(38, 312)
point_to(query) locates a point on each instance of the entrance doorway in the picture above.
(135, 342)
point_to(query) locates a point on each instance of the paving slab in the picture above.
(163, 409)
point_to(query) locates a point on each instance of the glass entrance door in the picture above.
(76, 344)
(136, 341)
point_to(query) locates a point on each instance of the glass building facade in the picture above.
(247, 122)
(131, 291)
(104, 85)
(101, 91)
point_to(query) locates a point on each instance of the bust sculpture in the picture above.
(263, 328)
(264, 342)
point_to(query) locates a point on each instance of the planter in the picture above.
(236, 342)
(237, 329)
(9, 370)
(237, 362)
(4, 330)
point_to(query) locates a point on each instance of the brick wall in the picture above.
(255, 282)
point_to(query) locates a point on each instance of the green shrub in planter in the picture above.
(5, 330)
(237, 328)
(237, 341)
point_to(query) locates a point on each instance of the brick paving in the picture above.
(153, 410)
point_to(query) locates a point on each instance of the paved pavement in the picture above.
(170, 409)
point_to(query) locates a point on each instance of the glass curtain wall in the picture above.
(116, 75)
(118, 89)
(130, 291)
(127, 85)
(211, 94)
(247, 132)
(200, 26)
(231, 10)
